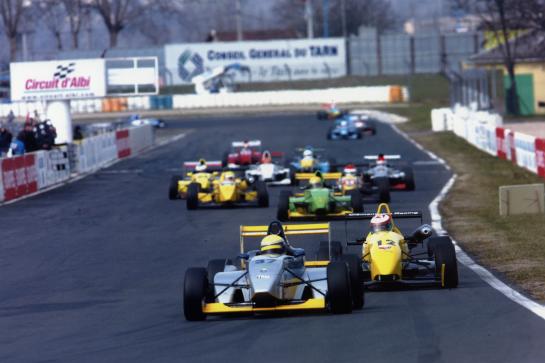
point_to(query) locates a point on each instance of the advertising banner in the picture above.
(500, 143)
(267, 61)
(57, 80)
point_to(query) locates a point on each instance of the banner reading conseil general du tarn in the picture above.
(276, 60)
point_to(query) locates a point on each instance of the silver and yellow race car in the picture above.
(277, 277)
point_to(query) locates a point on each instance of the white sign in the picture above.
(57, 80)
(132, 76)
(276, 60)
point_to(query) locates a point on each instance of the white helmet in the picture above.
(201, 166)
(307, 153)
(349, 170)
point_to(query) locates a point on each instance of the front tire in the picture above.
(445, 258)
(338, 288)
(356, 201)
(356, 279)
(173, 187)
(192, 196)
(409, 177)
(383, 185)
(195, 289)
(283, 206)
(262, 194)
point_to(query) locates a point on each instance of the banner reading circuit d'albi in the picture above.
(276, 60)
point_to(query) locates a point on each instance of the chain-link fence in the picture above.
(371, 54)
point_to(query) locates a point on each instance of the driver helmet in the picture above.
(245, 144)
(266, 157)
(381, 160)
(381, 222)
(307, 153)
(350, 169)
(273, 244)
(201, 166)
(229, 177)
(315, 182)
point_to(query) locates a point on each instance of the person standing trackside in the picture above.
(5, 140)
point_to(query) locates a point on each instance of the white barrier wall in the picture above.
(525, 151)
(364, 94)
(483, 130)
(271, 98)
(141, 138)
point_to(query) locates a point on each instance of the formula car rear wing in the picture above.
(395, 215)
(288, 230)
(325, 176)
(251, 143)
(386, 157)
(214, 165)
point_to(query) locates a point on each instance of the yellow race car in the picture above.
(388, 256)
(227, 189)
(200, 172)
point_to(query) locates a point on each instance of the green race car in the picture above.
(318, 202)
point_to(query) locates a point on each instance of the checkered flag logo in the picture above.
(63, 71)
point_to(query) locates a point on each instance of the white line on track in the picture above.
(79, 177)
(463, 257)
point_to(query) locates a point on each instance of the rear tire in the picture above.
(262, 194)
(444, 253)
(323, 251)
(225, 159)
(409, 177)
(332, 165)
(195, 289)
(356, 201)
(356, 279)
(383, 185)
(192, 196)
(173, 187)
(283, 206)
(338, 288)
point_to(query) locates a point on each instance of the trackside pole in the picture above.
(58, 112)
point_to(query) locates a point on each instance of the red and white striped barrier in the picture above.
(26, 174)
(19, 176)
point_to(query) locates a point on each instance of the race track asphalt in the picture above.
(93, 271)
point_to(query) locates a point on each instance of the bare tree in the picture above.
(117, 14)
(12, 13)
(373, 13)
(501, 18)
(52, 14)
(77, 12)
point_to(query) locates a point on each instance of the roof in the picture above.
(529, 48)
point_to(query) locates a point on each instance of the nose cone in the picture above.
(264, 273)
(228, 193)
(385, 260)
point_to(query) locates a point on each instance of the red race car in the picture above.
(242, 153)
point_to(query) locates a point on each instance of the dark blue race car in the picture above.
(344, 128)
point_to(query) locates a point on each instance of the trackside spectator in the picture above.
(10, 117)
(28, 137)
(5, 140)
(45, 134)
(17, 147)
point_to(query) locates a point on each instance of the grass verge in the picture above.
(514, 246)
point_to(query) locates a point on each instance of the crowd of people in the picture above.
(35, 135)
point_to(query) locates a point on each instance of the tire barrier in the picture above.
(26, 174)
(483, 130)
(364, 94)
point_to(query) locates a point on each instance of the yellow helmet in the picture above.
(273, 243)
(315, 181)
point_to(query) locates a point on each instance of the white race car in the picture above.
(269, 173)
